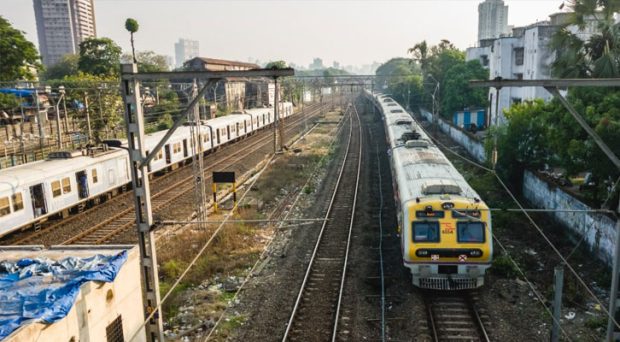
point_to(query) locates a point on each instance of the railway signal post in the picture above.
(140, 159)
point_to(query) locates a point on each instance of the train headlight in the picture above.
(422, 253)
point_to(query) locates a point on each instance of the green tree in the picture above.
(148, 61)
(9, 103)
(457, 92)
(599, 55)
(19, 58)
(132, 26)
(99, 56)
(67, 66)
(105, 104)
(276, 65)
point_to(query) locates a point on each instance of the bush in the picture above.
(504, 267)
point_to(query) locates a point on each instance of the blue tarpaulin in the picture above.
(43, 290)
(17, 92)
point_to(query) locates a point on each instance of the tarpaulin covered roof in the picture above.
(44, 290)
(17, 92)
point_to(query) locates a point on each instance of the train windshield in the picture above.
(426, 231)
(470, 232)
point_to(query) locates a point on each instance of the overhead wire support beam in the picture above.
(552, 85)
(139, 161)
(557, 83)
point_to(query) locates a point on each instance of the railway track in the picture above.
(455, 317)
(315, 314)
(113, 217)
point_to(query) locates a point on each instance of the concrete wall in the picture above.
(97, 305)
(474, 147)
(598, 230)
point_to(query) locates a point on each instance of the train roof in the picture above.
(422, 170)
(36, 172)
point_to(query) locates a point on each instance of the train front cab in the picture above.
(447, 244)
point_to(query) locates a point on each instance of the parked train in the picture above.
(33, 192)
(445, 228)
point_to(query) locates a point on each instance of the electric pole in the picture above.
(134, 122)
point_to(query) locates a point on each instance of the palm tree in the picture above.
(419, 54)
(132, 26)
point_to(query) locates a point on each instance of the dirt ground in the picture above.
(209, 289)
(510, 307)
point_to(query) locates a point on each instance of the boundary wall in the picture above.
(474, 147)
(596, 230)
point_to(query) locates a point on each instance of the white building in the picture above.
(185, 50)
(492, 19)
(103, 310)
(524, 54)
(62, 25)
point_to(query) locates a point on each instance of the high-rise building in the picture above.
(185, 50)
(492, 19)
(62, 25)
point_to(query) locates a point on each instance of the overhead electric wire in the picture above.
(317, 168)
(540, 231)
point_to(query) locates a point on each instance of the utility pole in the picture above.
(87, 110)
(40, 118)
(558, 275)
(134, 120)
(61, 91)
(197, 160)
(552, 86)
(277, 130)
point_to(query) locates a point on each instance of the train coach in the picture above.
(70, 181)
(445, 228)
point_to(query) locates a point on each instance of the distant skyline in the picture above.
(297, 31)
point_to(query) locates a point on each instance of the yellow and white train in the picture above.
(445, 228)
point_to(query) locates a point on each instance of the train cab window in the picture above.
(470, 232)
(18, 201)
(66, 185)
(426, 231)
(94, 174)
(5, 208)
(56, 191)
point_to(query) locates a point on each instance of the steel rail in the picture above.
(181, 187)
(314, 109)
(346, 256)
(309, 268)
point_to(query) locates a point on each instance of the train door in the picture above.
(228, 131)
(218, 135)
(39, 207)
(238, 131)
(82, 184)
(185, 153)
(167, 153)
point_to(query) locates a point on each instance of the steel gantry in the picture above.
(139, 161)
(553, 86)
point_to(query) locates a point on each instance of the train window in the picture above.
(18, 201)
(56, 189)
(111, 177)
(66, 185)
(5, 208)
(470, 232)
(426, 231)
(94, 174)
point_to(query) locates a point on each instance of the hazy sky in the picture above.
(350, 32)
